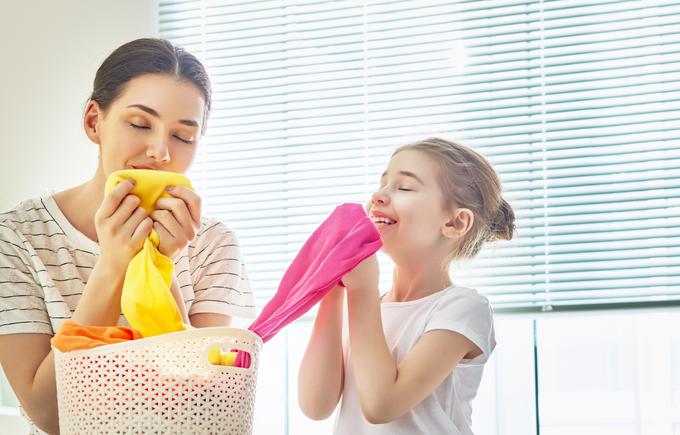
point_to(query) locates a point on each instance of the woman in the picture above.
(64, 255)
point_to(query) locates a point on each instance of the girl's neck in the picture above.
(79, 204)
(417, 280)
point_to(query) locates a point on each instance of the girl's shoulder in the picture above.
(465, 299)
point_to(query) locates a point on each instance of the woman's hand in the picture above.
(177, 220)
(364, 276)
(121, 225)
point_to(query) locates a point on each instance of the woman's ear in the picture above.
(459, 224)
(93, 114)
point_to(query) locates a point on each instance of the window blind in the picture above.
(575, 103)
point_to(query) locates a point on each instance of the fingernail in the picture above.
(133, 182)
(170, 188)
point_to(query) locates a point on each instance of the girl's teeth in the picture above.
(383, 221)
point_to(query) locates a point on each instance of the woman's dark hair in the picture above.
(147, 56)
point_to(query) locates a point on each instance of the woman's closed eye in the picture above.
(186, 141)
(179, 138)
(404, 189)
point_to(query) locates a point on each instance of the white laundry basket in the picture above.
(158, 385)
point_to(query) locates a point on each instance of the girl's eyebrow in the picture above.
(152, 112)
(407, 174)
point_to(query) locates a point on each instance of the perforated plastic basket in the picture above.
(159, 385)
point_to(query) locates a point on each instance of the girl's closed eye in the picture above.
(133, 125)
(404, 189)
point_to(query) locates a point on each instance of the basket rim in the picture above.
(212, 331)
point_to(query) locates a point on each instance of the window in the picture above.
(574, 102)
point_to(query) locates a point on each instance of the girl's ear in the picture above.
(459, 224)
(93, 114)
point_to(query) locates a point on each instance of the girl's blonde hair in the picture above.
(468, 181)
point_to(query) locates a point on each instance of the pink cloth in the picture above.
(345, 239)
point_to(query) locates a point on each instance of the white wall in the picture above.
(50, 51)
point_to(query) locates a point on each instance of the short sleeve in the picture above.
(23, 308)
(468, 313)
(219, 276)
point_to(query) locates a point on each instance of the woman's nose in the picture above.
(158, 150)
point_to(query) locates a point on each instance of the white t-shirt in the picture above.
(45, 263)
(448, 409)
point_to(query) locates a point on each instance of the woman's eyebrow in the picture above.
(407, 174)
(152, 112)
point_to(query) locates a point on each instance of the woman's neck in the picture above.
(79, 204)
(417, 280)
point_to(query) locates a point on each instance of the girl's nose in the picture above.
(379, 197)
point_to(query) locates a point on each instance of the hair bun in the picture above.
(502, 225)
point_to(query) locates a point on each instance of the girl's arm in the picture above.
(321, 375)
(387, 391)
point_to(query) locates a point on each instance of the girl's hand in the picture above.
(177, 220)
(363, 277)
(121, 226)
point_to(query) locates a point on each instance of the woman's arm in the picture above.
(178, 222)
(387, 391)
(321, 375)
(28, 361)
(206, 320)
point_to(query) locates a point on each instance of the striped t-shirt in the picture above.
(45, 263)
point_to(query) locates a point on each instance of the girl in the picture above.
(414, 357)
(64, 255)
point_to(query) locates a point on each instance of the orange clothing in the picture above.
(72, 336)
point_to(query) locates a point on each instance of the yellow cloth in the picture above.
(217, 357)
(146, 301)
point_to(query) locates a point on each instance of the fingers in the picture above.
(172, 225)
(177, 219)
(132, 223)
(168, 244)
(142, 230)
(191, 200)
(185, 206)
(125, 210)
(114, 198)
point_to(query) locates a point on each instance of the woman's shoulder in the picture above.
(24, 217)
(211, 227)
(213, 234)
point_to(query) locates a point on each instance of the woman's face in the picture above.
(154, 123)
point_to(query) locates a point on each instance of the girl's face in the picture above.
(408, 210)
(154, 123)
